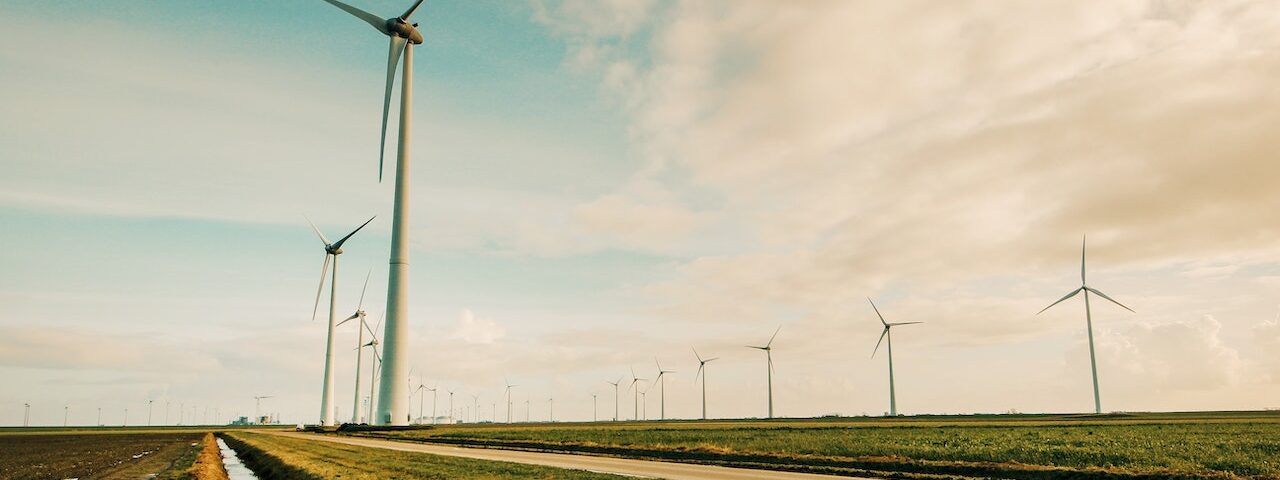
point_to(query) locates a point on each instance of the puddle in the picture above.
(235, 469)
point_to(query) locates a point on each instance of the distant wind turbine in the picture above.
(893, 400)
(702, 364)
(1088, 316)
(374, 365)
(331, 249)
(615, 397)
(662, 389)
(768, 352)
(508, 394)
(594, 408)
(360, 327)
(635, 401)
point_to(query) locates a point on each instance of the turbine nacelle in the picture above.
(395, 26)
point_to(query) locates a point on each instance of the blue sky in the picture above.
(600, 183)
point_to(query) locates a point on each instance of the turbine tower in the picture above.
(330, 250)
(893, 400)
(359, 315)
(404, 35)
(615, 397)
(1088, 317)
(702, 364)
(768, 352)
(662, 390)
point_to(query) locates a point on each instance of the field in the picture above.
(1200, 445)
(283, 457)
(62, 454)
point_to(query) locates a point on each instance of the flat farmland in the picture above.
(55, 454)
(1193, 445)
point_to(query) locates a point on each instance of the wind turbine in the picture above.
(475, 407)
(404, 36)
(450, 406)
(66, 410)
(893, 400)
(149, 402)
(768, 352)
(662, 389)
(615, 397)
(331, 249)
(26, 414)
(702, 365)
(508, 394)
(375, 365)
(594, 408)
(635, 402)
(1088, 316)
(360, 327)
(551, 409)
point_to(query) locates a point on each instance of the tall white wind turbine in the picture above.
(404, 35)
(702, 365)
(893, 400)
(768, 352)
(662, 389)
(331, 249)
(360, 327)
(1088, 316)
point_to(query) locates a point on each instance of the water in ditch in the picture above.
(235, 469)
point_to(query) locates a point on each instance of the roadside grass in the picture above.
(1209, 445)
(276, 457)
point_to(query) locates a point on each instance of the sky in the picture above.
(599, 184)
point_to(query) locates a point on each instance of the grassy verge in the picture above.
(274, 457)
(1016, 447)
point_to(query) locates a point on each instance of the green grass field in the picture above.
(1221, 445)
(301, 459)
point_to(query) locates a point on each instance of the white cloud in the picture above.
(473, 329)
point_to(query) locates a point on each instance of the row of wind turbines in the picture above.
(636, 383)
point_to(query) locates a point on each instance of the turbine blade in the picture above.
(393, 59)
(699, 374)
(1060, 300)
(882, 334)
(362, 290)
(710, 359)
(317, 230)
(775, 335)
(347, 320)
(1082, 240)
(902, 323)
(324, 272)
(1103, 295)
(353, 232)
(409, 12)
(873, 307)
(695, 354)
(377, 22)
